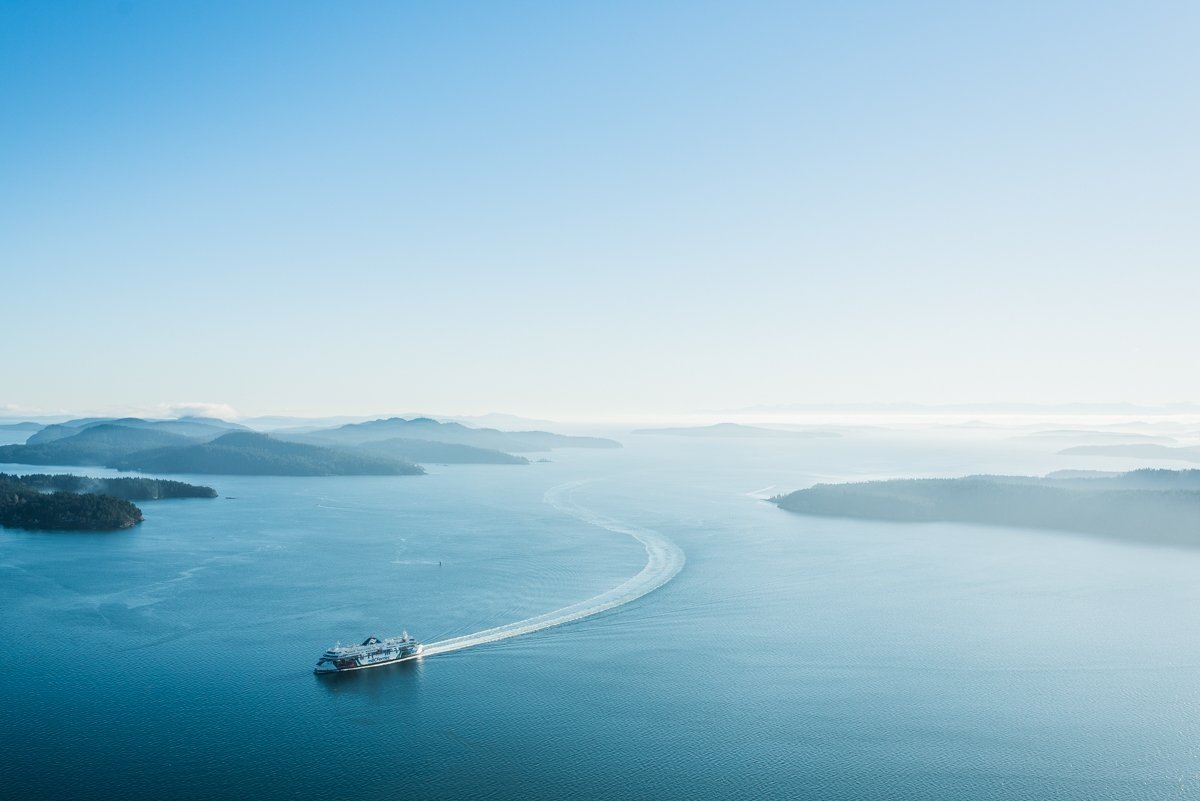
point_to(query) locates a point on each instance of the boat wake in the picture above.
(664, 559)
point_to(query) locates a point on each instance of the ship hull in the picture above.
(320, 671)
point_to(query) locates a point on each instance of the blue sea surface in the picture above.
(792, 657)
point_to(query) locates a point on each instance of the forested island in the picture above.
(79, 503)
(250, 453)
(130, 489)
(91, 446)
(202, 428)
(423, 450)
(1154, 506)
(218, 451)
(390, 446)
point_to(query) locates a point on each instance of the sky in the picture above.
(582, 209)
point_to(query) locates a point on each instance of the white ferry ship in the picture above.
(373, 652)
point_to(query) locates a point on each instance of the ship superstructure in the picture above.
(373, 652)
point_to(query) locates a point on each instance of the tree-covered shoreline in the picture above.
(127, 488)
(80, 503)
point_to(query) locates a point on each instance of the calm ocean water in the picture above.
(790, 658)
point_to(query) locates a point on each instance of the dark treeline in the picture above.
(82, 503)
(130, 489)
(22, 507)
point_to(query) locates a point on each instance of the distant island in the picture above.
(250, 453)
(21, 427)
(208, 448)
(98, 445)
(1153, 506)
(1136, 451)
(79, 503)
(190, 427)
(1097, 437)
(130, 489)
(427, 429)
(428, 451)
(735, 430)
(392, 446)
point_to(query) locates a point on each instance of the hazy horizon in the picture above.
(915, 416)
(594, 211)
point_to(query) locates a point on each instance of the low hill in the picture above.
(735, 430)
(51, 433)
(95, 445)
(424, 428)
(30, 427)
(430, 452)
(1154, 506)
(249, 453)
(200, 428)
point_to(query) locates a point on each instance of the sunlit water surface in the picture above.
(791, 657)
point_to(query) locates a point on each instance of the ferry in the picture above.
(373, 652)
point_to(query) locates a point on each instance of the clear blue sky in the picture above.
(573, 209)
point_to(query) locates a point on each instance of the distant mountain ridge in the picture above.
(427, 451)
(424, 428)
(233, 452)
(735, 430)
(252, 453)
(193, 427)
(372, 447)
(95, 445)
(31, 427)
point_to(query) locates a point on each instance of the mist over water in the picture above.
(785, 657)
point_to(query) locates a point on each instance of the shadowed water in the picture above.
(789, 658)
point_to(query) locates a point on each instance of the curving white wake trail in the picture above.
(664, 559)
